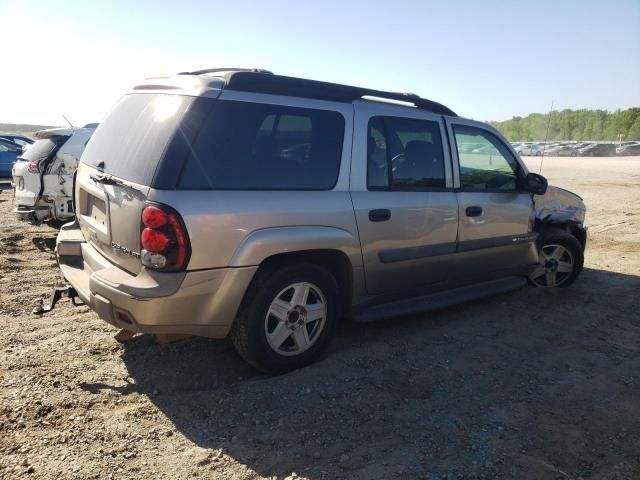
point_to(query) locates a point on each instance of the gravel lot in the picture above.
(534, 384)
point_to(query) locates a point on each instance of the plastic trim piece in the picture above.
(422, 251)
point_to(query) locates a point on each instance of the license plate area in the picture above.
(93, 217)
(96, 209)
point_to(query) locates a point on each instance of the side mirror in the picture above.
(535, 183)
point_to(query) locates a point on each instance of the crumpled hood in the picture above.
(560, 205)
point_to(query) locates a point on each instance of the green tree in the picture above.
(573, 125)
(634, 130)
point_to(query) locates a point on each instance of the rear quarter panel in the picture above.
(229, 228)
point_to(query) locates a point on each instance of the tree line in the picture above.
(573, 125)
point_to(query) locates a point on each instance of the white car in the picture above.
(43, 175)
(529, 149)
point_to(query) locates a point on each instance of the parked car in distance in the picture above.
(628, 149)
(562, 151)
(598, 150)
(579, 145)
(529, 149)
(267, 208)
(21, 140)
(9, 152)
(43, 175)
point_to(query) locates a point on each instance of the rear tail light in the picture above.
(34, 167)
(164, 239)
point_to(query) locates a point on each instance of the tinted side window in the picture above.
(254, 146)
(20, 141)
(404, 154)
(485, 162)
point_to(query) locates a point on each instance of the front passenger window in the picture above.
(485, 163)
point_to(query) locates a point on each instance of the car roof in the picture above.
(264, 81)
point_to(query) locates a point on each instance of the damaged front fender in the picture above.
(558, 205)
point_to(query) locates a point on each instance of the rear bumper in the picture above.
(34, 215)
(198, 303)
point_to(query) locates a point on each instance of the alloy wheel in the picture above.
(295, 319)
(555, 266)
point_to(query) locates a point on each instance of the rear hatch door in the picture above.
(117, 169)
(57, 179)
(108, 212)
(27, 171)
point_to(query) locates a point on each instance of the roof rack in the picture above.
(220, 70)
(264, 81)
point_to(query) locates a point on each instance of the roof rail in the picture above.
(265, 81)
(217, 70)
(300, 87)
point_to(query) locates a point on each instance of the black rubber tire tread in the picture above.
(561, 237)
(247, 332)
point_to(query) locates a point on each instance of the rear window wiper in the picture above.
(106, 179)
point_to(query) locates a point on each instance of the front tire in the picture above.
(561, 259)
(287, 317)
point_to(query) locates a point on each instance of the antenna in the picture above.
(67, 120)
(546, 136)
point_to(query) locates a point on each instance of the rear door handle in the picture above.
(473, 211)
(379, 215)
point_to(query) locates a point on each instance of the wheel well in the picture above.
(333, 260)
(576, 230)
(580, 234)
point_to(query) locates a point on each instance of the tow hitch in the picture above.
(58, 292)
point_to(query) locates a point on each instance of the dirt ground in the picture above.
(533, 384)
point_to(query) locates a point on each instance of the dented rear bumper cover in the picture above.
(200, 303)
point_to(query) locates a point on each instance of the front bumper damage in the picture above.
(564, 209)
(560, 206)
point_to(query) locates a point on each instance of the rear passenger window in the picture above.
(404, 154)
(254, 146)
(485, 162)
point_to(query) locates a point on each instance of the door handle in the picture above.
(473, 211)
(379, 215)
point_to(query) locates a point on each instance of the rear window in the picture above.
(131, 140)
(43, 149)
(254, 146)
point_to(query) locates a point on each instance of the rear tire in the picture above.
(287, 317)
(561, 260)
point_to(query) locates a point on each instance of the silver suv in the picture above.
(243, 204)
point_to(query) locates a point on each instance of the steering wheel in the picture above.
(499, 181)
(397, 160)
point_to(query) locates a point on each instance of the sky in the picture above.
(487, 60)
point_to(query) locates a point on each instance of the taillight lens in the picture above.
(154, 217)
(34, 167)
(164, 239)
(154, 240)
